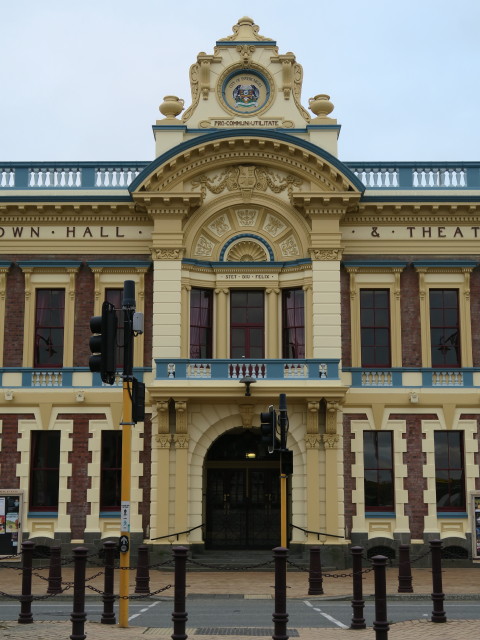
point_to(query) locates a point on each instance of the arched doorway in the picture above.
(242, 492)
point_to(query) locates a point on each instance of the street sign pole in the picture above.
(283, 423)
(128, 307)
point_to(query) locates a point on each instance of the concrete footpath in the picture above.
(457, 583)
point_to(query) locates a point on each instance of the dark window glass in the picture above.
(449, 471)
(111, 471)
(115, 297)
(378, 470)
(375, 327)
(49, 320)
(44, 470)
(293, 325)
(247, 319)
(445, 328)
(201, 313)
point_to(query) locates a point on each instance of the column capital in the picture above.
(181, 440)
(163, 440)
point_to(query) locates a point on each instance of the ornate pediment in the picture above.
(246, 179)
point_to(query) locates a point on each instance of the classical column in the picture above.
(159, 525)
(180, 440)
(220, 327)
(312, 444)
(333, 473)
(273, 322)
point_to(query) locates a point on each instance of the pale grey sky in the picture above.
(82, 80)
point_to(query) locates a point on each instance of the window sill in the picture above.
(452, 514)
(42, 514)
(380, 514)
(109, 514)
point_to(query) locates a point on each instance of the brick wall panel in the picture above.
(14, 318)
(410, 312)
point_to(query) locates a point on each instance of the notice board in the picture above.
(11, 505)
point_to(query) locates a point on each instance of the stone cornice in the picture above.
(421, 214)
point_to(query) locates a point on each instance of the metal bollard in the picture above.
(404, 570)
(55, 570)
(358, 603)
(179, 615)
(25, 616)
(380, 624)
(108, 615)
(280, 615)
(315, 578)
(438, 597)
(142, 580)
(78, 615)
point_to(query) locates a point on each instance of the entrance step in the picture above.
(236, 559)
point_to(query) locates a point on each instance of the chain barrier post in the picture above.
(404, 570)
(142, 580)
(179, 615)
(358, 603)
(79, 616)
(380, 624)
(25, 616)
(55, 570)
(438, 597)
(315, 578)
(108, 615)
(280, 615)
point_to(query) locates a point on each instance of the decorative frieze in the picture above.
(312, 440)
(167, 253)
(181, 440)
(163, 440)
(330, 440)
(326, 254)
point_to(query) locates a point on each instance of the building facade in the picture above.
(353, 288)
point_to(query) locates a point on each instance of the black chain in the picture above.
(23, 598)
(130, 597)
(225, 567)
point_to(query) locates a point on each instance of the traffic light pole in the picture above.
(128, 307)
(283, 424)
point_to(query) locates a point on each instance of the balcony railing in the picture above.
(29, 377)
(236, 369)
(397, 377)
(119, 175)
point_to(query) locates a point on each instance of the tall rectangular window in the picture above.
(445, 328)
(201, 314)
(375, 327)
(449, 471)
(293, 324)
(111, 471)
(378, 470)
(44, 470)
(49, 329)
(115, 297)
(247, 324)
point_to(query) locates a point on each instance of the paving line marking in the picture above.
(135, 615)
(327, 616)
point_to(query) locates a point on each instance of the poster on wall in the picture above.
(10, 524)
(476, 524)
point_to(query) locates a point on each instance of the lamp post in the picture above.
(283, 424)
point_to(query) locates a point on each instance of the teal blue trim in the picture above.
(246, 265)
(109, 514)
(66, 375)
(374, 263)
(452, 514)
(445, 377)
(242, 133)
(60, 197)
(380, 514)
(246, 235)
(442, 199)
(445, 263)
(125, 262)
(57, 264)
(169, 127)
(317, 127)
(42, 514)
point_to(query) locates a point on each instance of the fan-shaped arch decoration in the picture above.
(246, 248)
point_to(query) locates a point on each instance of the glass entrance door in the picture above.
(243, 507)
(247, 324)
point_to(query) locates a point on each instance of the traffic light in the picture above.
(103, 344)
(138, 401)
(286, 462)
(268, 427)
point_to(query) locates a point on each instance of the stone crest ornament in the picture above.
(204, 247)
(273, 225)
(220, 226)
(289, 247)
(246, 217)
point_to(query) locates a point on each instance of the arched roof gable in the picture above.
(245, 133)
